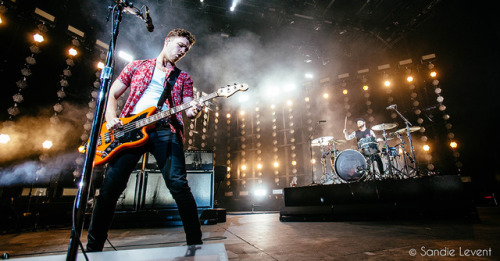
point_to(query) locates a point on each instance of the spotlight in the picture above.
(409, 78)
(383, 67)
(81, 149)
(233, 6)
(289, 103)
(260, 192)
(405, 62)
(429, 57)
(243, 167)
(76, 31)
(38, 38)
(242, 113)
(309, 75)
(313, 161)
(125, 56)
(4, 138)
(259, 166)
(228, 169)
(294, 163)
(325, 95)
(345, 91)
(100, 65)
(102, 44)
(72, 52)
(276, 164)
(387, 83)
(1, 22)
(426, 147)
(47, 144)
(228, 115)
(50, 18)
(433, 74)
(453, 145)
(365, 87)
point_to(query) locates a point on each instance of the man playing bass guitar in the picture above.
(147, 80)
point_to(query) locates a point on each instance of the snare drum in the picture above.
(350, 165)
(368, 145)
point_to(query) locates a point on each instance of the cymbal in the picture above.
(412, 129)
(321, 141)
(383, 126)
(337, 142)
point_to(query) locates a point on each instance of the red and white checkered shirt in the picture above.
(138, 74)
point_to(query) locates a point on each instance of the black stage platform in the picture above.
(423, 196)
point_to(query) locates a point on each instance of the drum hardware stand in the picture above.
(408, 133)
(407, 170)
(389, 163)
(311, 151)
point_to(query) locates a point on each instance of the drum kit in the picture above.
(354, 165)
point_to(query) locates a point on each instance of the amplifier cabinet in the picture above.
(157, 195)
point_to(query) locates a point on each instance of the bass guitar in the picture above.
(134, 134)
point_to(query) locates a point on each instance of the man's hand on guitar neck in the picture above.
(197, 106)
(114, 123)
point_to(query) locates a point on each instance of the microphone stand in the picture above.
(311, 151)
(408, 124)
(83, 187)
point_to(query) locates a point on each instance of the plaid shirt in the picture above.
(138, 74)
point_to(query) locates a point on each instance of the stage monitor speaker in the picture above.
(157, 195)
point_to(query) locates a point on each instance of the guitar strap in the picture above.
(172, 78)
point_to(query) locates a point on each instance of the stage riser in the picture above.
(423, 189)
(436, 196)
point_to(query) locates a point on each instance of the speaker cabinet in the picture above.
(157, 195)
(129, 198)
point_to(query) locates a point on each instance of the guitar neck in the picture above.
(172, 111)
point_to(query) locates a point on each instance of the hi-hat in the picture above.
(386, 126)
(412, 129)
(322, 141)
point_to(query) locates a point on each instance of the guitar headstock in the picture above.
(232, 89)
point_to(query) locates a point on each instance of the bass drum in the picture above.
(350, 165)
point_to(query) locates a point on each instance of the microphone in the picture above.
(149, 21)
(391, 107)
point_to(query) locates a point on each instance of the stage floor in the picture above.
(261, 236)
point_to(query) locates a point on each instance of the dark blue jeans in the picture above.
(167, 148)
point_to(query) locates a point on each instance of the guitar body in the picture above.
(113, 142)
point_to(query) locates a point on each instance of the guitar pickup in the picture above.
(107, 137)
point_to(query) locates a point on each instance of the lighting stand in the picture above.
(83, 187)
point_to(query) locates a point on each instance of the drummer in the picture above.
(361, 133)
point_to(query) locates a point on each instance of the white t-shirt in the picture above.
(153, 93)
